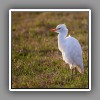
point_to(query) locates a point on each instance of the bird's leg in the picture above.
(71, 74)
(71, 70)
(75, 71)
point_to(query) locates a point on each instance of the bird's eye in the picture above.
(59, 28)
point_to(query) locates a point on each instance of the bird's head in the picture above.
(61, 28)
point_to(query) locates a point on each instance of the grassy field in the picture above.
(36, 60)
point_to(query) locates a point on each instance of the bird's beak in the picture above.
(53, 30)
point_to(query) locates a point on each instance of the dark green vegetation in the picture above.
(36, 60)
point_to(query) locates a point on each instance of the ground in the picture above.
(36, 60)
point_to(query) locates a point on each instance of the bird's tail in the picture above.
(80, 69)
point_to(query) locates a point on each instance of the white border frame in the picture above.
(38, 10)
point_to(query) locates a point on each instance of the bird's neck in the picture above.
(62, 36)
(61, 41)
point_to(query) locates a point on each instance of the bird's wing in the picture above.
(75, 52)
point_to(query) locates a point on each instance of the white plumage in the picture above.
(70, 48)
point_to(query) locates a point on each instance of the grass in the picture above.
(36, 60)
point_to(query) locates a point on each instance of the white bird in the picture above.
(70, 48)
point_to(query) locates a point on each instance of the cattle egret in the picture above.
(70, 48)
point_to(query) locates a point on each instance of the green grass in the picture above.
(36, 60)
